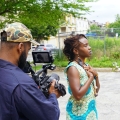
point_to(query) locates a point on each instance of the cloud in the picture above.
(104, 10)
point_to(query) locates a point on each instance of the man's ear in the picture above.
(20, 47)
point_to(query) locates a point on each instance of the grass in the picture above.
(93, 62)
(105, 53)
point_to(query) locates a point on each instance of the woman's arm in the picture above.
(74, 82)
(97, 84)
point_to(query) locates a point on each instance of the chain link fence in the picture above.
(109, 32)
(104, 42)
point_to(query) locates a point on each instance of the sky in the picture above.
(104, 11)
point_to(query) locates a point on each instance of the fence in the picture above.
(109, 32)
(104, 42)
(101, 33)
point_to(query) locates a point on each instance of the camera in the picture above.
(40, 77)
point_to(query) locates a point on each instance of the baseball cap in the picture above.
(18, 32)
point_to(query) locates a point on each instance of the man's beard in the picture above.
(22, 60)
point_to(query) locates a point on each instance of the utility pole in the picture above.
(104, 43)
(59, 44)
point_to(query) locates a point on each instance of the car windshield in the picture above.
(42, 45)
(48, 45)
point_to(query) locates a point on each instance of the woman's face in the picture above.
(84, 49)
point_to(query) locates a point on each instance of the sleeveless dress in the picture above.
(85, 108)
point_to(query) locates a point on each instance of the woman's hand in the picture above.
(90, 75)
(95, 74)
(90, 69)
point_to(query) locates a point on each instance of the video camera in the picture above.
(41, 77)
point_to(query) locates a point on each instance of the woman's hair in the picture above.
(71, 43)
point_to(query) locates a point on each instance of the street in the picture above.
(108, 100)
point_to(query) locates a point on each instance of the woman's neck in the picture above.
(80, 61)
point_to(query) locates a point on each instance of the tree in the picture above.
(41, 32)
(115, 25)
(95, 29)
(41, 14)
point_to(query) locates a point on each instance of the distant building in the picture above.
(71, 26)
(101, 25)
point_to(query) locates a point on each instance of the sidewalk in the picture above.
(108, 101)
(97, 69)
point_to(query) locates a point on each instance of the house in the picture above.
(71, 26)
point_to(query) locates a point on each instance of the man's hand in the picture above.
(52, 89)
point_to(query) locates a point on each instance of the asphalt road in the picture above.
(108, 100)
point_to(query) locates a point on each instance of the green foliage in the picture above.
(101, 62)
(115, 55)
(43, 32)
(43, 16)
(37, 67)
(60, 63)
(116, 25)
(99, 58)
(94, 27)
(115, 66)
(60, 56)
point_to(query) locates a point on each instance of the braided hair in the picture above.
(70, 43)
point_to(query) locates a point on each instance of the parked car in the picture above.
(44, 47)
(48, 47)
(33, 48)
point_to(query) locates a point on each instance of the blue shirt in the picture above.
(20, 98)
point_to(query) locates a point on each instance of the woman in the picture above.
(83, 83)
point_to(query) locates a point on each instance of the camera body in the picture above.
(40, 77)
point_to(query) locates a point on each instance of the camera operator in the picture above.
(20, 97)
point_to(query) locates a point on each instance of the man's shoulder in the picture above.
(21, 76)
(14, 75)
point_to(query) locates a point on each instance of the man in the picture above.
(20, 98)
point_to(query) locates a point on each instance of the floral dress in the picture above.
(85, 108)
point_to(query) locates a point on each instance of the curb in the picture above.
(97, 69)
(103, 69)
(61, 69)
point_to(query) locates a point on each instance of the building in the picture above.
(71, 26)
